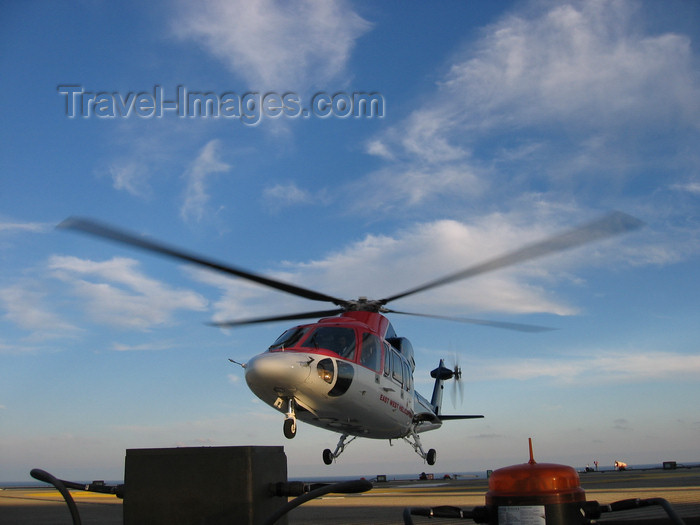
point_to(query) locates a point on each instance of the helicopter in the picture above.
(349, 372)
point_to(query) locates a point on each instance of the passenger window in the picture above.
(387, 359)
(396, 367)
(371, 355)
(407, 377)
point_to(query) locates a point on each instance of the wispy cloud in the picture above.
(130, 176)
(407, 186)
(117, 293)
(240, 298)
(27, 306)
(427, 251)
(582, 81)
(274, 45)
(20, 227)
(144, 347)
(576, 63)
(692, 187)
(287, 195)
(140, 156)
(597, 368)
(196, 197)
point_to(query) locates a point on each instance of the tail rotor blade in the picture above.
(457, 386)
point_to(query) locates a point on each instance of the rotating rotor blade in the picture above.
(458, 393)
(457, 386)
(612, 224)
(108, 232)
(287, 317)
(518, 327)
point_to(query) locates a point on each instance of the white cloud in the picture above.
(430, 250)
(410, 185)
(281, 196)
(380, 149)
(379, 266)
(31, 227)
(582, 63)
(196, 197)
(240, 298)
(599, 367)
(131, 177)
(117, 293)
(554, 95)
(275, 45)
(143, 156)
(26, 306)
(144, 347)
(692, 187)
(286, 195)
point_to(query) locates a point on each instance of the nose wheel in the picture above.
(290, 428)
(290, 423)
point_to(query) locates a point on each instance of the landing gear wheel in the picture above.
(290, 428)
(431, 456)
(327, 456)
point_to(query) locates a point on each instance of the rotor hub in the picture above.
(363, 304)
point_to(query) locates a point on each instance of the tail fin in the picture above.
(440, 374)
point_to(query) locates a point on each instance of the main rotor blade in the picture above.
(287, 317)
(608, 226)
(108, 232)
(518, 327)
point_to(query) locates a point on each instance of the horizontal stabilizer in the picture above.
(449, 418)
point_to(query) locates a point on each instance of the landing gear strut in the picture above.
(329, 456)
(290, 423)
(430, 457)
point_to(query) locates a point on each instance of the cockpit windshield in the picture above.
(336, 339)
(289, 338)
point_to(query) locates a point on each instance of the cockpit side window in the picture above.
(289, 338)
(390, 332)
(371, 355)
(336, 339)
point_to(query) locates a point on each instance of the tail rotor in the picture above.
(457, 386)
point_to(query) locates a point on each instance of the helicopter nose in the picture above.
(277, 370)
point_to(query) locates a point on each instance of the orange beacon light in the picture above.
(535, 494)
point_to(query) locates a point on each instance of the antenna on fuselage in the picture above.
(242, 365)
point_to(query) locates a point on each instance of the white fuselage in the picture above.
(334, 393)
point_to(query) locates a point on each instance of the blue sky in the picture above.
(501, 123)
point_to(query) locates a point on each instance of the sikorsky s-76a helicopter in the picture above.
(350, 372)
